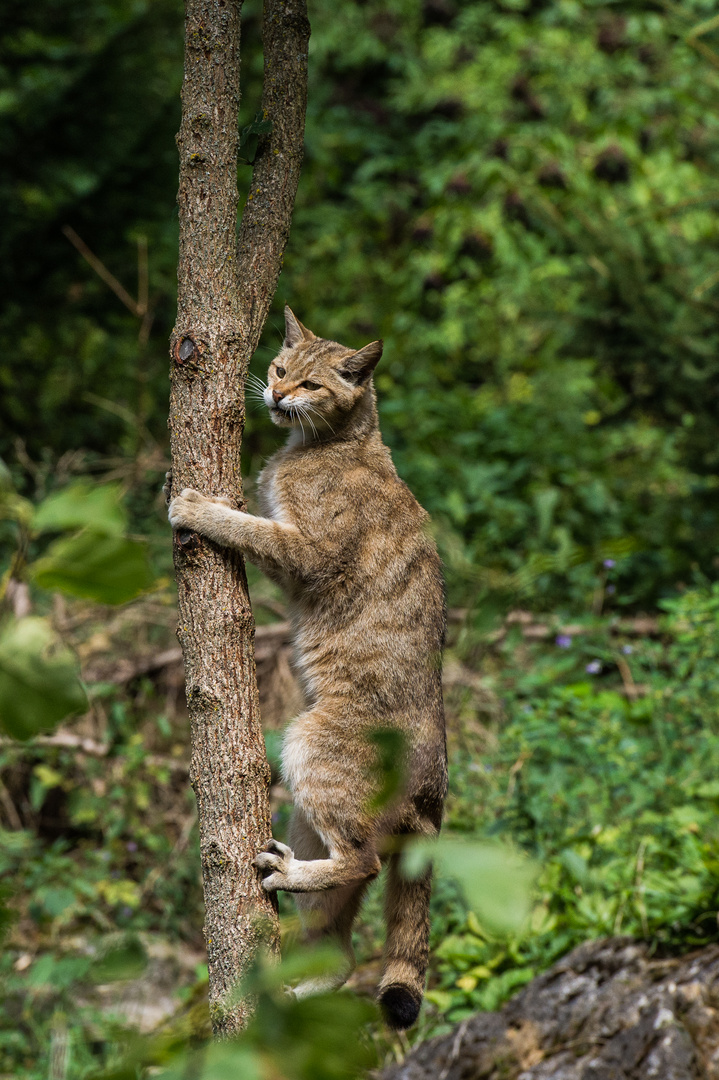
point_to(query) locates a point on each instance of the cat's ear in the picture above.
(295, 332)
(359, 366)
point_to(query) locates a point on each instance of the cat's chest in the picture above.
(296, 496)
(275, 499)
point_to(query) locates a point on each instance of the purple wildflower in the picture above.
(131, 845)
(126, 911)
(609, 563)
(627, 650)
(563, 641)
(593, 667)
(611, 589)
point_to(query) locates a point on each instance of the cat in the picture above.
(349, 544)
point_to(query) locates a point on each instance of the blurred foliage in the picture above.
(519, 197)
(39, 683)
(39, 686)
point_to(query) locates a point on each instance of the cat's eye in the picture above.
(280, 372)
(310, 386)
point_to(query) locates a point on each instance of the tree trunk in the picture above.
(607, 1011)
(224, 293)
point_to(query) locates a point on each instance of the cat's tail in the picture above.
(407, 948)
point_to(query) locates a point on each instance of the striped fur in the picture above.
(349, 544)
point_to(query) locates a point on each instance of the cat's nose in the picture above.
(277, 395)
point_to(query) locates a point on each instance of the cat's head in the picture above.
(317, 382)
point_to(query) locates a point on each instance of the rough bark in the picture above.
(224, 294)
(607, 1011)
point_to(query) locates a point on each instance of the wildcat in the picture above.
(348, 543)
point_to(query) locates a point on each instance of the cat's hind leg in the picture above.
(406, 952)
(332, 788)
(327, 915)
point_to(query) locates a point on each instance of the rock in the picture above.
(607, 1011)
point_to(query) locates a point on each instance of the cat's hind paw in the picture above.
(274, 863)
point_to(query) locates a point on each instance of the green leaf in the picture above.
(12, 506)
(82, 505)
(39, 684)
(215, 1061)
(55, 901)
(249, 138)
(125, 959)
(496, 881)
(60, 973)
(109, 569)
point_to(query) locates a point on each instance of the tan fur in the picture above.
(348, 542)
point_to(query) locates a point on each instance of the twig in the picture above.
(10, 809)
(514, 773)
(456, 1047)
(65, 740)
(630, 687)
(142, 276)
(102, 272)
(268, 639)
(696, 32)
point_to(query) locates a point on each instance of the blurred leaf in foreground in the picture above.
(318, 1037)
(109, 569)
(82, 505)
(496, 881)
(124, 959)
(214, 1061)
(39, 685)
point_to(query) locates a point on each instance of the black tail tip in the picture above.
(399, 1006)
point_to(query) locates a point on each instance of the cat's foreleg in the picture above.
(261, 539)
(283, 871)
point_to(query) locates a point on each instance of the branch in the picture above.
(102, 272)
(266, 219)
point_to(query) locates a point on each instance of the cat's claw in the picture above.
(274, 862)
(281, 849)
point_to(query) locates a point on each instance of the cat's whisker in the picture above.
(304, 408)
(323, 419)
(255, 384)
(294, 412)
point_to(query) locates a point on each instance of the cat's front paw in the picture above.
(275, 863)
(167, 487)
(186, 510)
